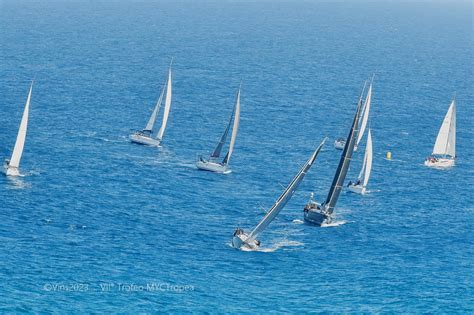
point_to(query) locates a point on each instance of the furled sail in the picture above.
(446, 140)
(285, 196)
(344, 162)
(167, 106)
(21, 137)
(235, 128)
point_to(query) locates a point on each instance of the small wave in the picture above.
(298, 221)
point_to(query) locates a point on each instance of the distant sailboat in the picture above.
(213, 164)
(360, 185)
(341, 142)
(146, 136)
(248, 241)
(12, 165)
(444, 150)
(318, 214)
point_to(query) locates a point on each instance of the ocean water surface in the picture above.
(98, 224)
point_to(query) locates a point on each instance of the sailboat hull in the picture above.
(240, 242)
(213, 167)
(339, 144)
(439, 163)
(12, 171)
(358, 189)
(142, 139)
(316, 216)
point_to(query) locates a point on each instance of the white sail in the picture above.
(167, 106)
(151, 121)
(21, 137)
(235, 128)
(446, 140)
(285, 196)
(365, 115)
(368, 159)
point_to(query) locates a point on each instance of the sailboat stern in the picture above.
(358, 189)
(315, 215)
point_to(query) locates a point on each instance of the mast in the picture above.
(234, 129)
(21, 137)
(285, 196)
(344, 162)
(167, 105)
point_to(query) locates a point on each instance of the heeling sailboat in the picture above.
(318, 214)
(341, 142)
(360, 185)
(145, 136)
(444, 150)
(212, 163)
(242, 240)
(12, 165)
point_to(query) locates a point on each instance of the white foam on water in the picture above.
(298, 221)
(333, 224)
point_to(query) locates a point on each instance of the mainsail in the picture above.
(151, 121)
(220, 145)
(365, 114)
(21, 137)
(367, 159)
(446, 141)
(344, 162)
(285, 196)
(235, 128)
(167, 106)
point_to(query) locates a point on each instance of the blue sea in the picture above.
(101, 225)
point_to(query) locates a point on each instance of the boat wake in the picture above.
(333, 224)
(276, 246)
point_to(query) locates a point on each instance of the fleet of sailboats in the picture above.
(242, 240)
(213, 163)
(12, 165)
(146, 136)
(444, 150)
(443, 155)
(322, 213)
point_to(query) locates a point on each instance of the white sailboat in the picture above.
(444, 150)
(146, 135)
(12, 165)
(242, 240)
(322, 213)
(340, 142)
(213, 164)
(360, 185)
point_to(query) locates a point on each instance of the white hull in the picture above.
(213, 167)
(240, 242)
(142, 139)
(358, 189)
(12, 171)
(439, 163)
(338, 144)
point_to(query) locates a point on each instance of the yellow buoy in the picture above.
(389, 155)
